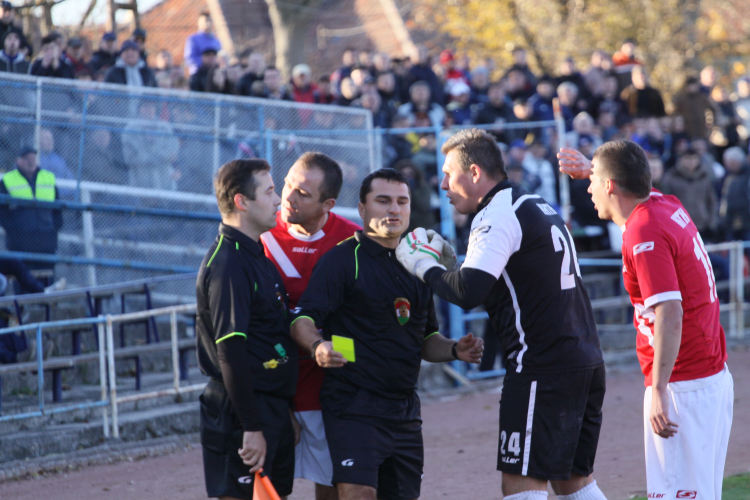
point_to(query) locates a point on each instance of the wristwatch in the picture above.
(453, 350)
(314, 347)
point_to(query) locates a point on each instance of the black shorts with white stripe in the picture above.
(550, 423)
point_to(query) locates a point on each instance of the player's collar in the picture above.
(304, 237)
(314, 237)
(371, 246)
(504, 184)
(255, 247)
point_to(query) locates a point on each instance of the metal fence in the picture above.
(107, 368)
(159, 149)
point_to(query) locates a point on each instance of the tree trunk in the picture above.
(290, 23)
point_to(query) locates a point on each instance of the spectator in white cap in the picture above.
(459, 107)
(303, 89)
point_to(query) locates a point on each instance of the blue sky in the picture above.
(70, 11)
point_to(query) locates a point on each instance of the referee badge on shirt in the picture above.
(403, 308)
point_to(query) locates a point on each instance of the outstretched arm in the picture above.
(438, 349)
(573, 163)
(467, 287)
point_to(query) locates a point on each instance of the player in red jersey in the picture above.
(305, 230)
(681, 345)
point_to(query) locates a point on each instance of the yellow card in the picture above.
(345, 346)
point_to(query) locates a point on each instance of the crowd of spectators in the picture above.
(698, 150)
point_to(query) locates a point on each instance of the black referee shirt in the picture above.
(359, 290)
(241, 296)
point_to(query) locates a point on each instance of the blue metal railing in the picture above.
(42, 411)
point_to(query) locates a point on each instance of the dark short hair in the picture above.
(237, 177)
(333, 178)
(387, 174)
(270, 68)
(324, 79)
(49, 39)
(477, 147)
(625, 162)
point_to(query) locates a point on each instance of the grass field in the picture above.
(735, 488)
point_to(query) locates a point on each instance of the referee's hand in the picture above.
(253, 452)
(326, 357)
(470, 349)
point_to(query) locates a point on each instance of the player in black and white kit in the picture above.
(521, 265)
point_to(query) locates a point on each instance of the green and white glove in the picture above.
(417, 255)
(448, 257)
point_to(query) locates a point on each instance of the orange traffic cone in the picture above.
(263, 489)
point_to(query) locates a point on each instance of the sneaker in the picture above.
(56, 286)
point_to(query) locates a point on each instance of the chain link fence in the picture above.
(159, 149)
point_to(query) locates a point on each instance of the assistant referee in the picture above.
(243, 342)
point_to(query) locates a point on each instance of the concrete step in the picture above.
(172, 419)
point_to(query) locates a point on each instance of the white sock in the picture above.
(588, 492)
(528, 495)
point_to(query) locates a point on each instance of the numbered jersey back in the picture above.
(664, 258)
(539, 306)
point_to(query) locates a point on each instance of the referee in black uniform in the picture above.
(243, 342)
(358, 290)
(521, 265)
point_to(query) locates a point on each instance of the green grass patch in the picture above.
(735, 488)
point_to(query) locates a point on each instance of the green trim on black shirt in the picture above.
(221, 239)
(300, 317)
(232, 335)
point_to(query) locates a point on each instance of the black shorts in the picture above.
(550, 423)
(221, 438)
(375, 441)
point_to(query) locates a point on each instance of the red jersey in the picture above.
(295, 256)
(664, 259)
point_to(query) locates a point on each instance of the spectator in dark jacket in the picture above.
(272, 87)
(541, 102)
(420, 103)
(695, 107)
(139, 37)
(734, 208)
(386, 87)
(569, 73)
(74, 55)
(459, 108)
(641, 99)
(323, 95)
(521, 64)
(497, 110)
(49, 63)
(209, 77)
(693, 186)
(348, 59)
(256, 65)
(421, 71)
(11, 60)
(130, 69)
(8, 24)
(106, 56)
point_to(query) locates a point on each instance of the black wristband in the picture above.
(453, 350)
(314, 347)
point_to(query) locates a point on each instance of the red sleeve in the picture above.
(653, 256)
